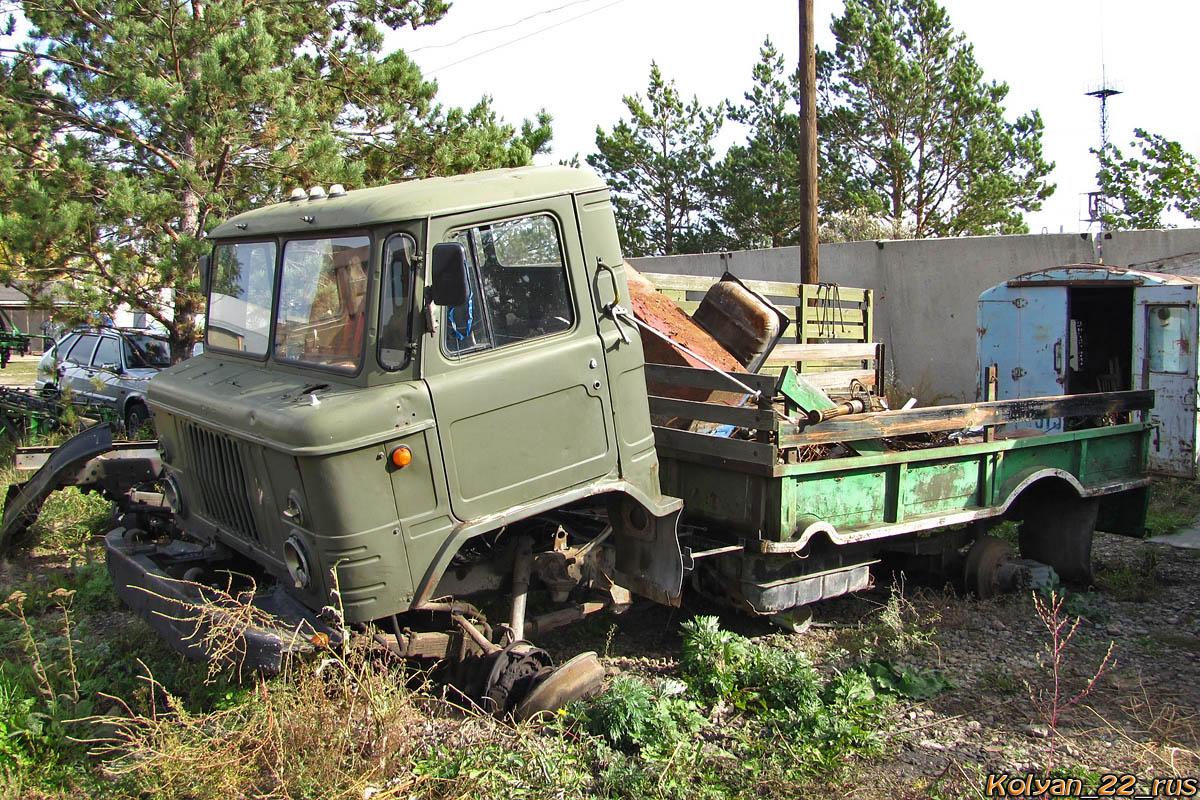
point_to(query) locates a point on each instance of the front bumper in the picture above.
(250, 630)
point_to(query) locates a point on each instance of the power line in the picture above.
(498, 28)
(523, 38)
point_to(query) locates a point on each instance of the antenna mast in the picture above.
(1096, 199)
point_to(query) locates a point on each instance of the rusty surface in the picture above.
(660, 312)
(744, 323)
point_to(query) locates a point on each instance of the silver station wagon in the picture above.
(107, 368)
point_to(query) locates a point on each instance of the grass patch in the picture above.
(1174, 504)
(1001, 681)
(19, 373)
(1131, 583)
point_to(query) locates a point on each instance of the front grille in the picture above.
(216, 463)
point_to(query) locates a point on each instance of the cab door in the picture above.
(1164, 331)
(517, 373)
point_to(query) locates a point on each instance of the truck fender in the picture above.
(1056, 526)
(1019, 483)
(649, 560)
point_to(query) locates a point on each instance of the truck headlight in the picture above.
(295, 556)
(173, 497)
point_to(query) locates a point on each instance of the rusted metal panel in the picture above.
(660, 312)
(745, 323)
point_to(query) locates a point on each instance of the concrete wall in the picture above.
(1174, 251)
(926, 290)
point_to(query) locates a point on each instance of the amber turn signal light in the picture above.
(402, 456)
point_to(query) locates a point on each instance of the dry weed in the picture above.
(1164, 736)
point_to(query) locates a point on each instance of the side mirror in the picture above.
(205, 265)
(450, 285)
(114, 368)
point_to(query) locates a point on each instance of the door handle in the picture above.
(1058, 351)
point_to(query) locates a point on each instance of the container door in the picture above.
(517, 373)
(1023, 331)
(1164, 340)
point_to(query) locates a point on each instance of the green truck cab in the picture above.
(417, 395)
(326, 356)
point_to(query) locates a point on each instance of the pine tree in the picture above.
(911, 130)
(655, 164)
(756, 186)
(128, 129)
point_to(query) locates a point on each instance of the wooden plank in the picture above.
(701, 283)
(839, 379)
(846, 295)
(687, 283)
(850, 331)
(715, 447)
(849, 316)
(829, 366)
(822, 352)
(774, 289)
(742, 416)
(968, 415)
(707, 379)
(869, 302)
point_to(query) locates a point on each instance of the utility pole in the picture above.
(808, 146)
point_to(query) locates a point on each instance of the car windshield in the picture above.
(150, 351)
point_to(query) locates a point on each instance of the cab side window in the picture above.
(518, 286)
(394, 325)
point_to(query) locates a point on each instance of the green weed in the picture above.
(1131, 583)
(632, 715)
(907, 680)
(828, 718)
(1174, 504)
(898, 628)
(1001, 681)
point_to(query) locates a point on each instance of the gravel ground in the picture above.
(1140, 716)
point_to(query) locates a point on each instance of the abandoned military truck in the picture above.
(420, 395)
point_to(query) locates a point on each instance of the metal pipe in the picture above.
(522, 565)
(476, 636)
(855, 406)
(563, 616)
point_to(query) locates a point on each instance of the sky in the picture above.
(578, 58)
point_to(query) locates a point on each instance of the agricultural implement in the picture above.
(12, 340)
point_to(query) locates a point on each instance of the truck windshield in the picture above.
(239, 307)
(322, 299)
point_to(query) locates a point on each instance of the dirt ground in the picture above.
(1140, 717)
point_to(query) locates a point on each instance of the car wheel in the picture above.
(135, 418)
